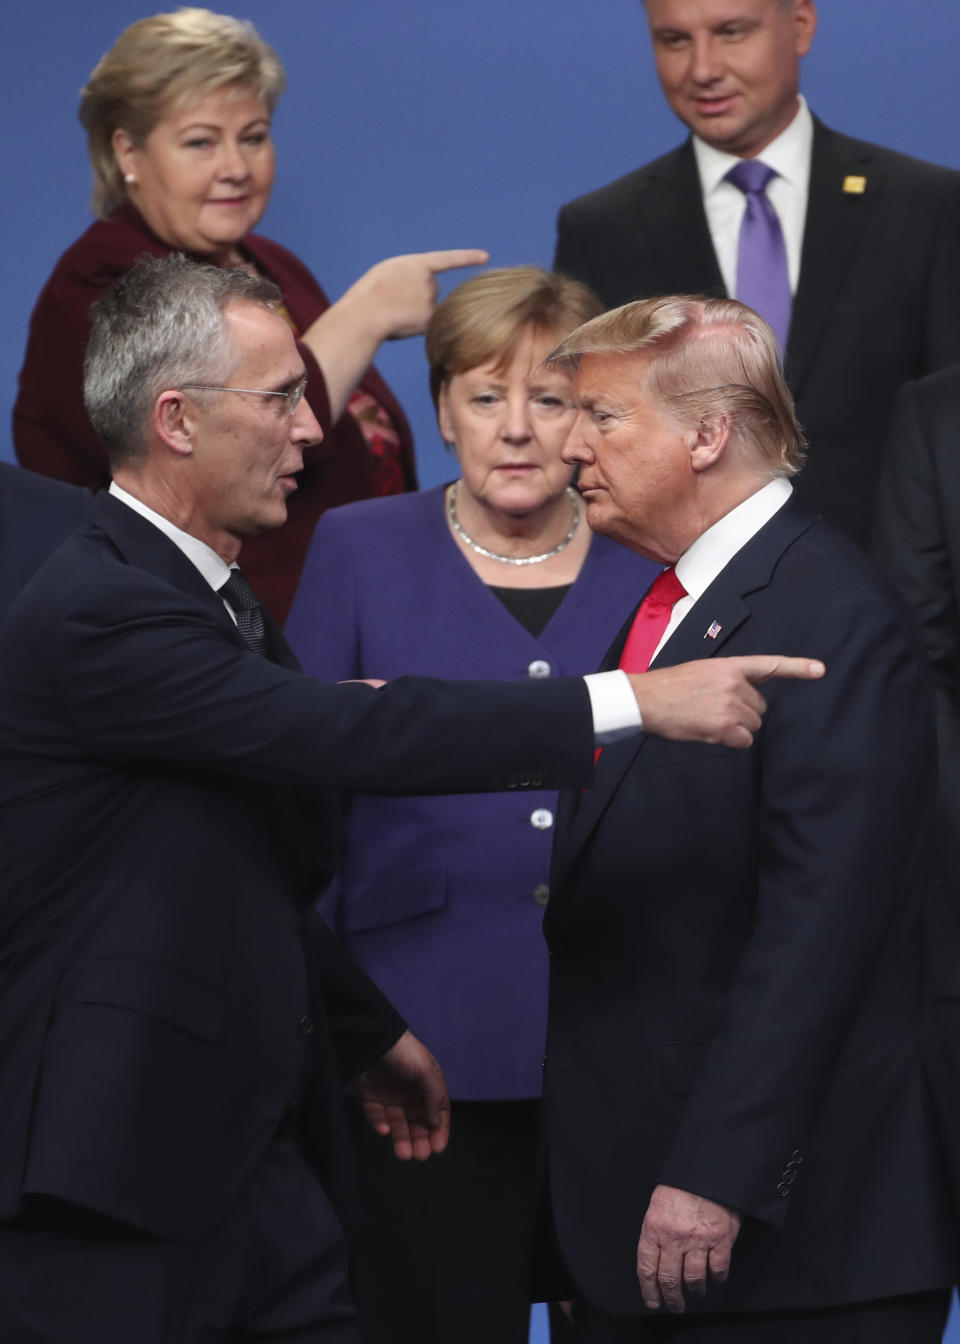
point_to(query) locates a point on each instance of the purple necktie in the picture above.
(763, 280)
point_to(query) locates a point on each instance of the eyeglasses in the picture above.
(292, 398)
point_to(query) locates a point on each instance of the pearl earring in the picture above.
(129, 179)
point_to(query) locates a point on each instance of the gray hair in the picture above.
(708, 357)
(157, 327)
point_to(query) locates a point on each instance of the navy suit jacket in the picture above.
(163, 829)
(874, 306)
(35, 516)
(737, 985)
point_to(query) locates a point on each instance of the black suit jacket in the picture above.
(736, 974)
(874, 306)
(163, 831)
(35, 516)
(918, 541)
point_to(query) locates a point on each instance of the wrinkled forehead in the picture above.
(261, 338)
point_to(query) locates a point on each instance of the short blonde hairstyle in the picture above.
(484, 318)
(708, 357)
(158, 63)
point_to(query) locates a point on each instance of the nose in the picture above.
(515, 426)
(232, 163)
(705, 67)
(304, 426)
(575, 448)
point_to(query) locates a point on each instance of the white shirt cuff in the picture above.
(616, 713)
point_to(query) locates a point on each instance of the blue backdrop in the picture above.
(425, 124)
(413, 124)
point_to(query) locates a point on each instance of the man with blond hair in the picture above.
(736, 1116)
(765, 203)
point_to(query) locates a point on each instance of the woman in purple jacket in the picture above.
(495, 575)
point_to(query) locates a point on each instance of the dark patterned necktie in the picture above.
(248, 611)
(763, 278)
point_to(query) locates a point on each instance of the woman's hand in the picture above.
(393, 299)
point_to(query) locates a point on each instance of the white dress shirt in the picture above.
(714, 549)
(790, 156)
(615, 710)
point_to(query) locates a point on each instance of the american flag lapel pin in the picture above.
(714, 630)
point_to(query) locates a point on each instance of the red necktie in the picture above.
(652, 618)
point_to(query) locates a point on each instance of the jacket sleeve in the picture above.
(363, 1023)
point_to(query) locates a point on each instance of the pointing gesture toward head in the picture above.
(402, 291)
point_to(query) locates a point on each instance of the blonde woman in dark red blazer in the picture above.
(183, 161)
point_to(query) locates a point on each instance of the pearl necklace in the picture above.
(574, 499)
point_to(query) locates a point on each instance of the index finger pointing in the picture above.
(761, 667)
(454, 257)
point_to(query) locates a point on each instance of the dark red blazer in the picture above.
(53, 435)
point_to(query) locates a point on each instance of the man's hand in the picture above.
(683, 1238)
(405, 1097)
(713, 700)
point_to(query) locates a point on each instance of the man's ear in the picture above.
(174, 422)
(710, 442)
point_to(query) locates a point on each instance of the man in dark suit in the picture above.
(736, 1112)
(851, 249)
(175, 1022)
(35, 516)
(917, 539)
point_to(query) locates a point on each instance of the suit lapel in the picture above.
(144, 545)
(723, 609)
(837, 220)
(673, 225)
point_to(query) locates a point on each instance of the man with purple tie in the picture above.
(851, 252)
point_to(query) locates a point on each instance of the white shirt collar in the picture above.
(714, 549)
(213, 567)
(789, 155)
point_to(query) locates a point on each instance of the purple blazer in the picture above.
(441, 899)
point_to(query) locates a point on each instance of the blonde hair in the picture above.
(708, 357)
(161, 62)
(484, 318)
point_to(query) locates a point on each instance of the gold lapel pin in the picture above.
(854, 186)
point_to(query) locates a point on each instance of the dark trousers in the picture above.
(275, 1271)
(918, 1319)
(445, 1244)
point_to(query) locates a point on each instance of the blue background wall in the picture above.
(412, 124)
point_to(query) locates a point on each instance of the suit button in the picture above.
(538, 668)
(541, 894)
(541, 819)
(306, 1026)
(783, 1189)
(513, 780)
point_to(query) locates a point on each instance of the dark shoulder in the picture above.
(624, 189)
(390, 515)
(913, 173)
(106, 250)
(43, 497)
